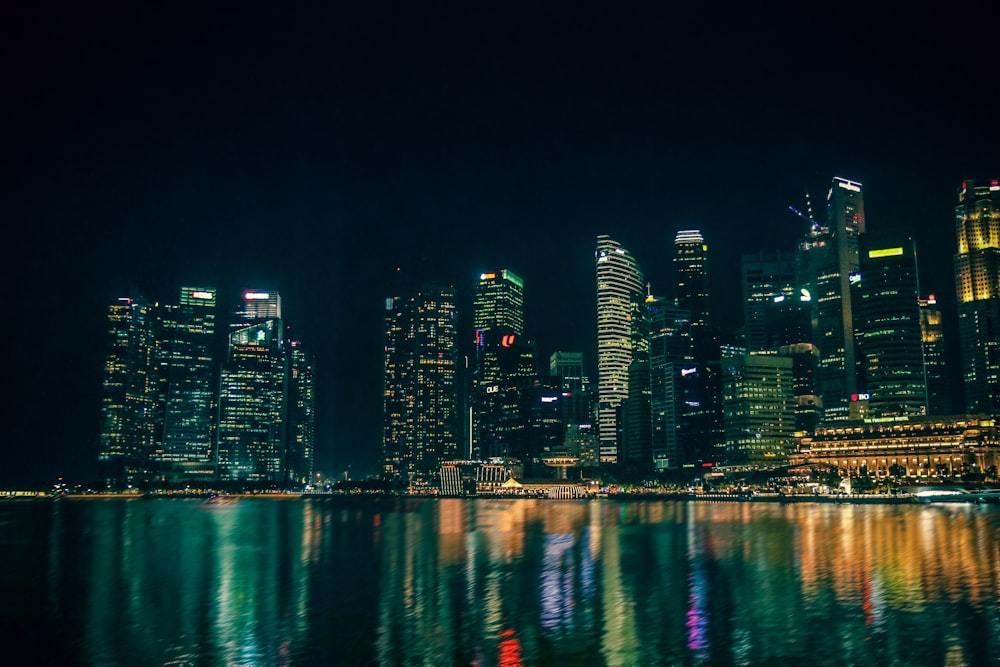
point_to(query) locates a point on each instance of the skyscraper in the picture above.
(758, 408)
(766, 277)
(619, 333)
(502, 365)
(421, 417)
(673, 378)
(887, 322)
(251, 433)
(939, 396)
(301, 432)
(115, 446)
(832, 254)
(691, 270)
(977, 288)
(189, 422)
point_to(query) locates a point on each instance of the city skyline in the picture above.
(314, 152)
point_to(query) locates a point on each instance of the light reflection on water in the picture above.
(450, 581)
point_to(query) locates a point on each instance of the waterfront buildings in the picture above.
(620, 294)
(673, 389)
(421, 420)
(939, 395)
(977, 288)
(170, 414)
(924, 446)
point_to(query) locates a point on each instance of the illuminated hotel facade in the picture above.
(920, 446)
(620, 296)
(977, 288)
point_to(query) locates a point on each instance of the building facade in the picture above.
(421, 420)
(620, 295)
(977, 289)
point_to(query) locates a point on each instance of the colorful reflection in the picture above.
(487, 582)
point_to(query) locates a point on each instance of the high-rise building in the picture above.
(977, 288)
(503, 362)
(620, 296)
(758, 408)
(833, 263)
(673, 373)
(691, 270)
(499, 302)
(301, 432)
(252, 395)
(192, 381)
(256, 306)
(939, 395)
(421, 419)
(767, 277)
(567, 367)
(132, 396)
(887, 325)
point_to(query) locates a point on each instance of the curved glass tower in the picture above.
(619, 334)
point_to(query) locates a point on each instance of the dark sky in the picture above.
(314, 149)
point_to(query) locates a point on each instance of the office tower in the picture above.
(673, 390)
(766, 277)
(567, 367)
(977, 288)
(833, 262)
(887, 322)
(132, 395)
(115, 445)
(421, 418)
(301, 433)
(256, 306)
(251, 433)
(502, 365)
(619, 334)
(637, 446)
(758, 408)
(192, 381)
(499, 302)
(939, 398)
(691, 270)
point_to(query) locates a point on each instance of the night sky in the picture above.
(315, 149)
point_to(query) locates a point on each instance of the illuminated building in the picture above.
(421, 420)
(977, 288)
(191, 384)
(132, 391)
(925, 446)
(619, 334)
(767, 279)
(758, 408)
(499, 302)
(301, 433)
(939, 398)
(887, 326)
(504, 361)
(673, 378)
(256, 306)
(567, 367)
(252, 405)
(637, 445)
(691, 270)
(832, 254)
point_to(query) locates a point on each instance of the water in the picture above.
(437, 582)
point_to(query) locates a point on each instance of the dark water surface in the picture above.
(438, 582)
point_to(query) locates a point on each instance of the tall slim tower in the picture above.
(301, 433)
(498, 319)
(939, 396)
(691, 270)
(977, 287)
(619, 313)
(421, 420)
(887, 322)
(834, 263)
(192, 382)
